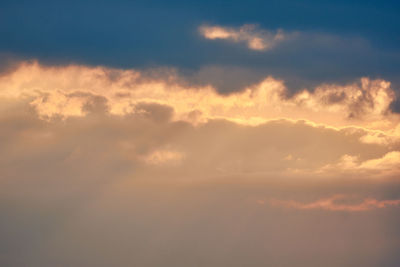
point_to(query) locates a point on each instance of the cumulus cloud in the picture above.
(369, 98)
(250, 34)
(352, 126)
(66, 91)
(92, 156)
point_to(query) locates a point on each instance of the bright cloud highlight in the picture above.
(73, 90)
(254, 38)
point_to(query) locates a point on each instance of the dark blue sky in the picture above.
(341, 40)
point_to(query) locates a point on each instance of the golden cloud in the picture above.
(94, 155)
(70, 91)
(259, 40)
(328, 131)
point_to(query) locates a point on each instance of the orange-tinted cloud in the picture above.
(90, 155)
(388, 163)
(265, 131)
(65, 91)
(335, 203)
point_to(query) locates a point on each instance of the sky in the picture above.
(208, 133)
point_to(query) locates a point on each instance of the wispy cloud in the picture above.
(336, 203)
(254, 37)
(387, 163)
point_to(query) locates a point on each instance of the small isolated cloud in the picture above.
(336, 203)
(255, 38)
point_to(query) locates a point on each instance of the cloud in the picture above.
(374, 167)
(369, 98)
(93, 156)
(331, 130)
(335, 203)
(160, 157)
(135, 122)
(255, 39)
(72, 90)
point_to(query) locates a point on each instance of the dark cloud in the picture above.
(158, 113)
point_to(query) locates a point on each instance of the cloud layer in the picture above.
(93, 157)
(353, 123)
(72, 90)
